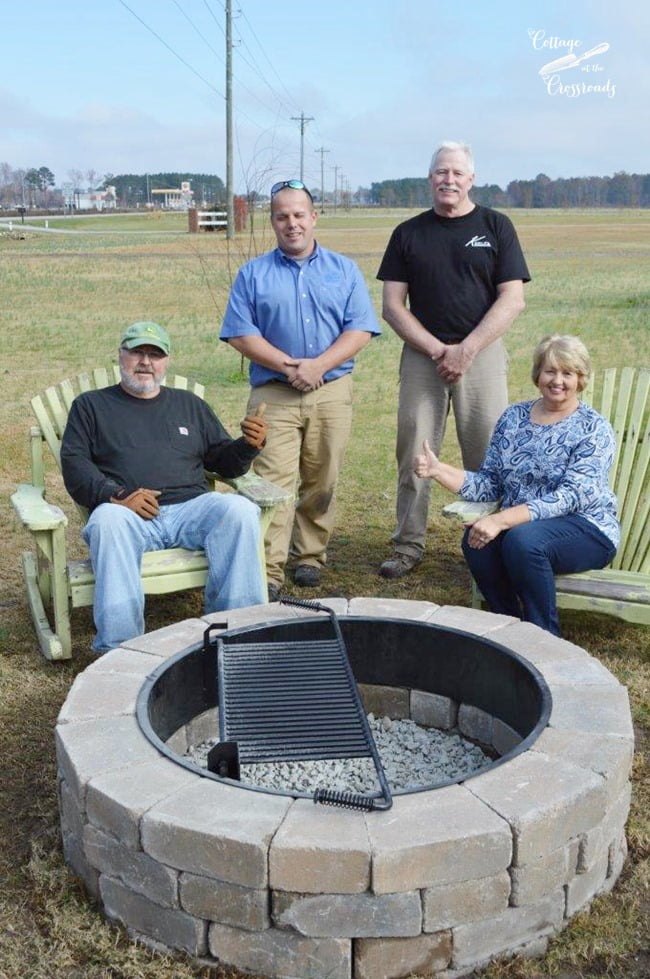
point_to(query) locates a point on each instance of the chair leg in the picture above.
(52, 646)
(265, 519)
(59, 591)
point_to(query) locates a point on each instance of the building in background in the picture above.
(104, 199)
(173, 198)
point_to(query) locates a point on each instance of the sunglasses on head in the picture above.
(291, 185)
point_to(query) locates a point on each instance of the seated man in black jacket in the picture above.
(134, 454)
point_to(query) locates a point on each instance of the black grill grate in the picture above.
(290, 701)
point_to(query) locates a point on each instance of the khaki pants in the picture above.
(478, 400)
(306, 442)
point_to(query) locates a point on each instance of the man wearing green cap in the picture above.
(135, 454)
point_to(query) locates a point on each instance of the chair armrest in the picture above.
(258, 490)
(468, 512)
(34, 511)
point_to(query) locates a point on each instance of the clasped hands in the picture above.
(453, 362)
(304, 374)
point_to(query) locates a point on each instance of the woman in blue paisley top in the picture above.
(547, 465)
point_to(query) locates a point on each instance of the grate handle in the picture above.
(329, 796)
(304, 603)
(317, 607)
(215, 628)
(347, 800)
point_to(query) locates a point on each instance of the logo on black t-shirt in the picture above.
(478, 241)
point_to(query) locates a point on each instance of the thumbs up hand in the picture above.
(426, 464)
(254, 428)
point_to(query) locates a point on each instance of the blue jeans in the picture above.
(224, 525)
(515, 572)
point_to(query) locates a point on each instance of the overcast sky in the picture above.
(139, 87)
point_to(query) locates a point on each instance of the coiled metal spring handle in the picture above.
(304, 603)
(347, 800)
(350, 800)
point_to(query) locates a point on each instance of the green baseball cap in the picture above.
(146, 334)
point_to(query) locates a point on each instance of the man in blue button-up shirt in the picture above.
(300, 314)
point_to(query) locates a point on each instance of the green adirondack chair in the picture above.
(56, 584)
(623, 588)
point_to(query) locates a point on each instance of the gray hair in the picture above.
(448, 144)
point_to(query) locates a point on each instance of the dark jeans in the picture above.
(515, 572)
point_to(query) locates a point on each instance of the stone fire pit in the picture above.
(441, 883)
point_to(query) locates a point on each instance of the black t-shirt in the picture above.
(452, 267)
(114, 441)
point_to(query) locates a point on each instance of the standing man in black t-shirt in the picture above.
(453, 284)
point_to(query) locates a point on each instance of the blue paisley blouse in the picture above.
(554, 469)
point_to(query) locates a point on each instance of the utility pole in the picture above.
(230, 228)
(336, 170)
(303, 120)
(322, 152)
(342, 189)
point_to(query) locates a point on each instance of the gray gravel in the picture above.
(412, 756)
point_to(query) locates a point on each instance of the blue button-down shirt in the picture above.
(299, 307)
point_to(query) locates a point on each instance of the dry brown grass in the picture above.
(64, 302)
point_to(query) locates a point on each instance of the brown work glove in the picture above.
(255, 428)
(144, 502)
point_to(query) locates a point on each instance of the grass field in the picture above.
(66, 294)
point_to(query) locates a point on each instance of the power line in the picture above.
(268, 60)
(253, 64)
(171, 50)
(202, 36)
(254, 67)
(211, 12)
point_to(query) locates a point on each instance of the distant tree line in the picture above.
(621, 190)
(35, 186)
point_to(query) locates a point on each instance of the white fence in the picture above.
(212, 219)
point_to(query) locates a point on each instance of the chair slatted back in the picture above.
(52, 407)
(624, 401)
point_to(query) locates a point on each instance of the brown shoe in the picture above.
(398, 565)
(306, 576)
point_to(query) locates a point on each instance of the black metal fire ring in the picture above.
(467, 668)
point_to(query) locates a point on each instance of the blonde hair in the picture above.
(565, 352)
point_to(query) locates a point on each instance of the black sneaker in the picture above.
(306, 576)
